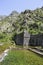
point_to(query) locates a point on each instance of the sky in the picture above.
(7, 6)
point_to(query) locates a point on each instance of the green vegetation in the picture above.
(16, 23)
(22, 57)
(5, 38)
(27, 20)
(4, 47)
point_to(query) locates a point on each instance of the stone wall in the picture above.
(36, 40)
(27, 39)
(19, 39)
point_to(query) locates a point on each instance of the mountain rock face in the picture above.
(30, 20)
(16, 23)
(6, 24)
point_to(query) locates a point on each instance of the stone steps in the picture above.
(2, 56)
(36, 51)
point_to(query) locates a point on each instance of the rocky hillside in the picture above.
(6, 24)
(30, 20)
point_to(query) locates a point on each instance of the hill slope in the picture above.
(30, 20)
